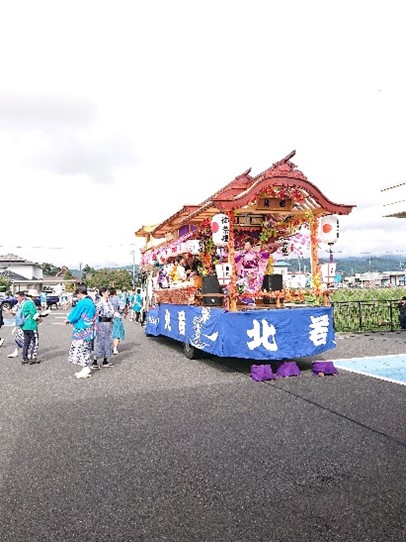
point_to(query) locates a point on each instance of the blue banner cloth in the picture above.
(268, 334)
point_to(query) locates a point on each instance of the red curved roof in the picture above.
(241, 193)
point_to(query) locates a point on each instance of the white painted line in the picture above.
(369, 374)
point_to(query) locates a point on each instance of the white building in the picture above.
(24, 274)
(20, 266)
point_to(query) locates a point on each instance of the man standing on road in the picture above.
(137, 306)
(30, 328)
(118, 327)
(43, 299)
(104, 330)
(83, 318)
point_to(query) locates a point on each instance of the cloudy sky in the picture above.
(114, 114)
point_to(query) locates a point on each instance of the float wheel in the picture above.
(190, 351)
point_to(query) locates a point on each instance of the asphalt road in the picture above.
(160, 448)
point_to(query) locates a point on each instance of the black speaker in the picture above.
(270, 284)
(210, 285)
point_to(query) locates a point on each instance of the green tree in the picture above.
(50, 269)
(111, 278)
(88, 271)
(70, 286)
(5, 284)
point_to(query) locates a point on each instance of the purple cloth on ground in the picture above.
(326, 367)
(261, 372)
(287, 368)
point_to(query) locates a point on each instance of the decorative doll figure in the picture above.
(179, 270)
(248, 257)
(250, 264)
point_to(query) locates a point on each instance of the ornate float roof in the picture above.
(282, 181)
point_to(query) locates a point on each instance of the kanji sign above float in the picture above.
(220, 227)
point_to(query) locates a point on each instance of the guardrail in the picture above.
(371, 315)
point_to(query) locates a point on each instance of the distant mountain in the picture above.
(357, 264)
(76, 272)
(347, 266)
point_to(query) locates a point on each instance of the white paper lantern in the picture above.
(183, 248)
(329, 229)
(223, 272)
(220, 228)
(328, 272)
(195, 247)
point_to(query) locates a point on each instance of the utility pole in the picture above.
(299, 267)
(132, 252)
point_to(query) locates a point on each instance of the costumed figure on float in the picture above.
(250, 264)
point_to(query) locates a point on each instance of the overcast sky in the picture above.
(114, 114)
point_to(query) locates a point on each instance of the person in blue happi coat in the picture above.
(83, 318)
(138, 305)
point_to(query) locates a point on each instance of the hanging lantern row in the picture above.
(192, 246)
(220, 227)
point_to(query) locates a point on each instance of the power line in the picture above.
(65, 247)
(391, 187)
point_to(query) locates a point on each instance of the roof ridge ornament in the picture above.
(286, 159)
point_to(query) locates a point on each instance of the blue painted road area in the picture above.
(390, 368)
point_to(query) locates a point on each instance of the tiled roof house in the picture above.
(25, 274)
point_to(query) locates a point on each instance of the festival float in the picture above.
(209, 270)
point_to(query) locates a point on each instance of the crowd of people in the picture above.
(97, 327)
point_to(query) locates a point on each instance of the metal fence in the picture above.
(371, 315)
